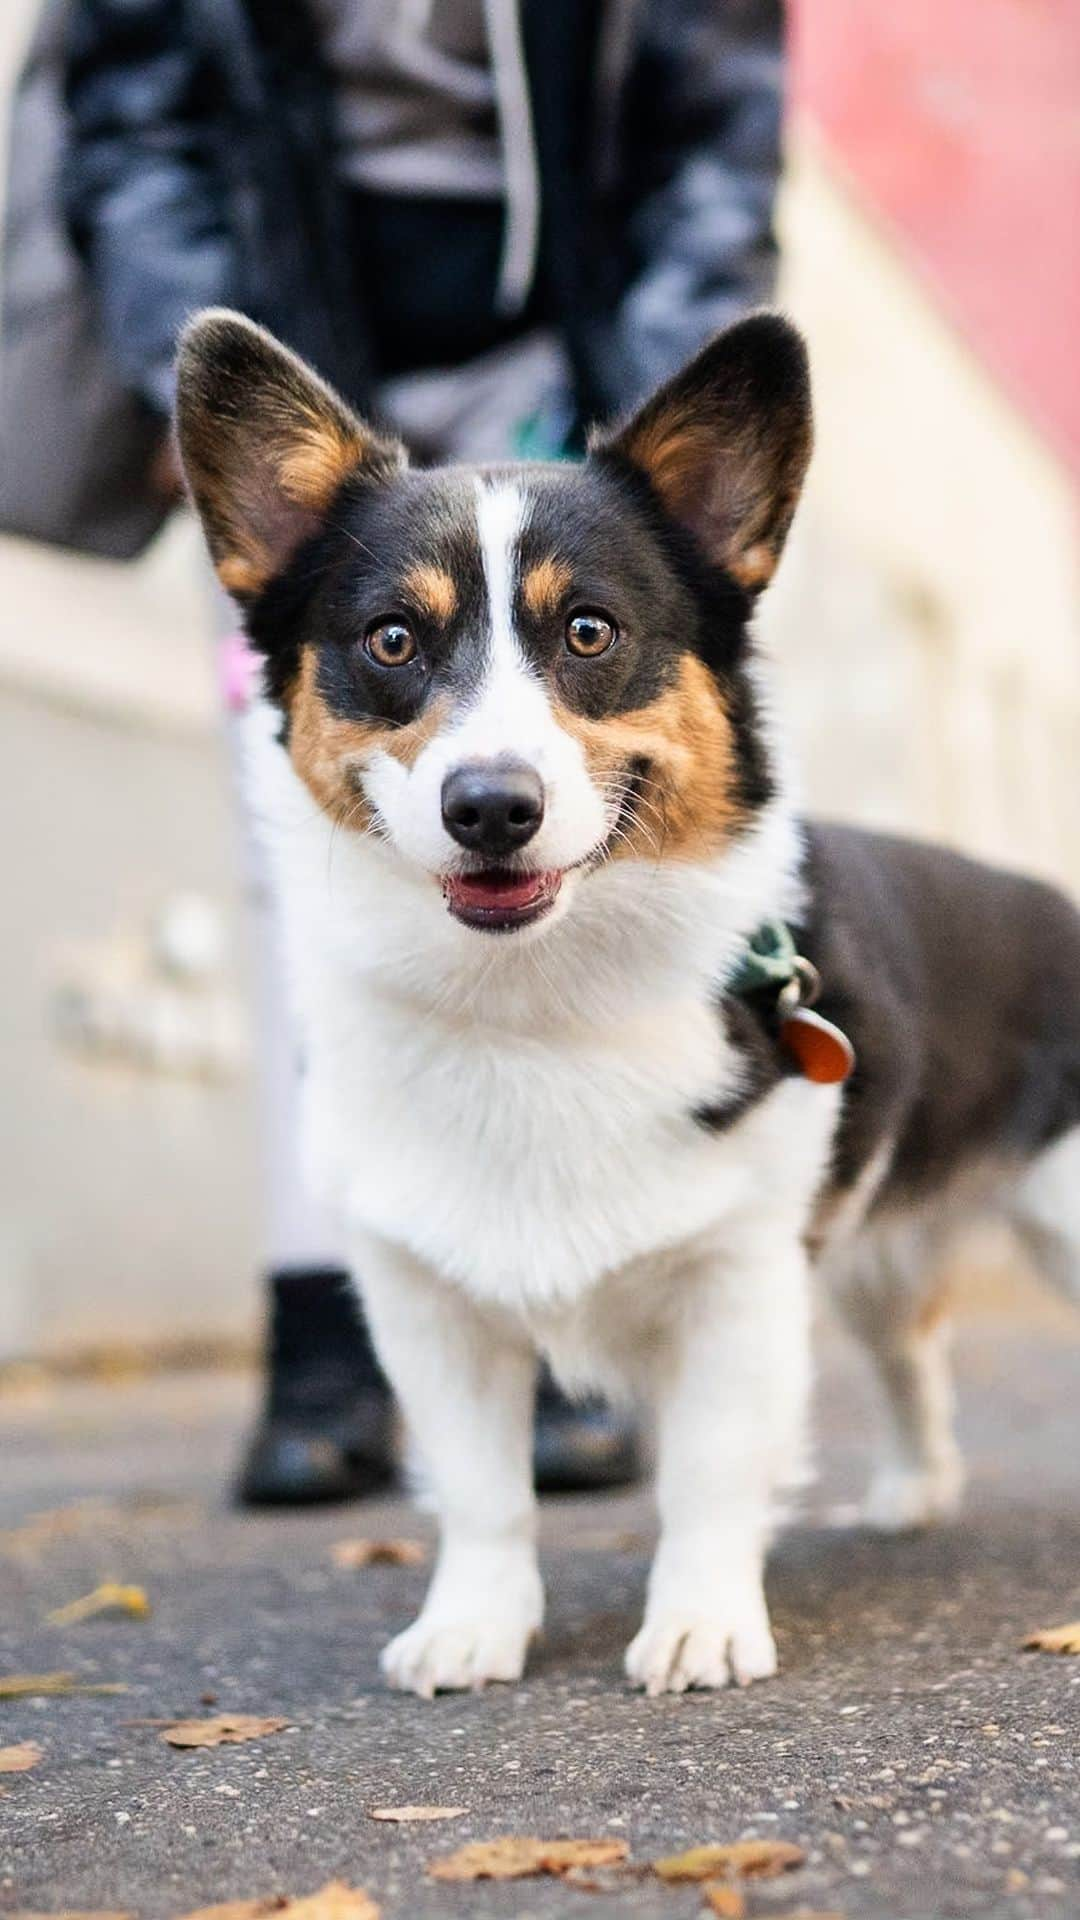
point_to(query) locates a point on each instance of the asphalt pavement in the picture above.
(925, 1764)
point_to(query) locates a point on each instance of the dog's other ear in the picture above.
(265, 446)
(725, 444)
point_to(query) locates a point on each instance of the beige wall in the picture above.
(929, 620)
(126, 1158)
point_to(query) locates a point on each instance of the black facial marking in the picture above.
(723, 606)
(722, 612)
(607, 544)
(355, 573)
(756, 783)
(276, 622)
(628, 557)
(624, 557)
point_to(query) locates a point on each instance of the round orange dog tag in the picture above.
(824, 1053)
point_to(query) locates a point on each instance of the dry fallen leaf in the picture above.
(54, 1523)
(406, 1814)
(745, 1859)
(335, 1901)
(1055, 1639)
(19, 1759)
(22, 1686)
(223, 1730)
(722, 1898)
(352, 1554)
(108, 1598)
(513, 1858)
(35, 1535)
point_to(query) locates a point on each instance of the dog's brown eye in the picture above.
(589, 633)
(391, 644)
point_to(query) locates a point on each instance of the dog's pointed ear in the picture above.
(265, 445)
(726, 443)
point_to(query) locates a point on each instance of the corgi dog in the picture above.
(553, 922)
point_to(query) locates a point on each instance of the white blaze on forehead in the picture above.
(500, 510)
(509, 714)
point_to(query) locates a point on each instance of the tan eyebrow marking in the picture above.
(545, 586)
(433, 591)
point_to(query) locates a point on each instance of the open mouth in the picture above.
(499, 900)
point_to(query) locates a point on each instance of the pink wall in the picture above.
(959, 122)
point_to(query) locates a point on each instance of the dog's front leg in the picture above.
(731, 1385)
(466, 1388)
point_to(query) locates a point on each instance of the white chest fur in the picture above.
(524, 1168)
(521, 1118)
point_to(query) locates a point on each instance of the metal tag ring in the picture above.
(808, 981)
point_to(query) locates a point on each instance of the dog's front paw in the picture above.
(449, 1653)
(903, 1500)
(681, 1647)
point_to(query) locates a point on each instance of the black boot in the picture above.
(582, 1446)
(327, 1428)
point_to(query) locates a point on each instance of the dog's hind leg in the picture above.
(885, 1294)
(1045, 1211)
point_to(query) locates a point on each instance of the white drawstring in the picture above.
(518, 266)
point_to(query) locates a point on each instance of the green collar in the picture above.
(770, 963)
(783, 986)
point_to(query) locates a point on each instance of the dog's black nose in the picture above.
(493, 809)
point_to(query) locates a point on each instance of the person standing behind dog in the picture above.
(487, 221)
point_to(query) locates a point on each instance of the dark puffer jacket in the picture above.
(198, 168)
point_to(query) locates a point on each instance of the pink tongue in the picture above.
(496, 889)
